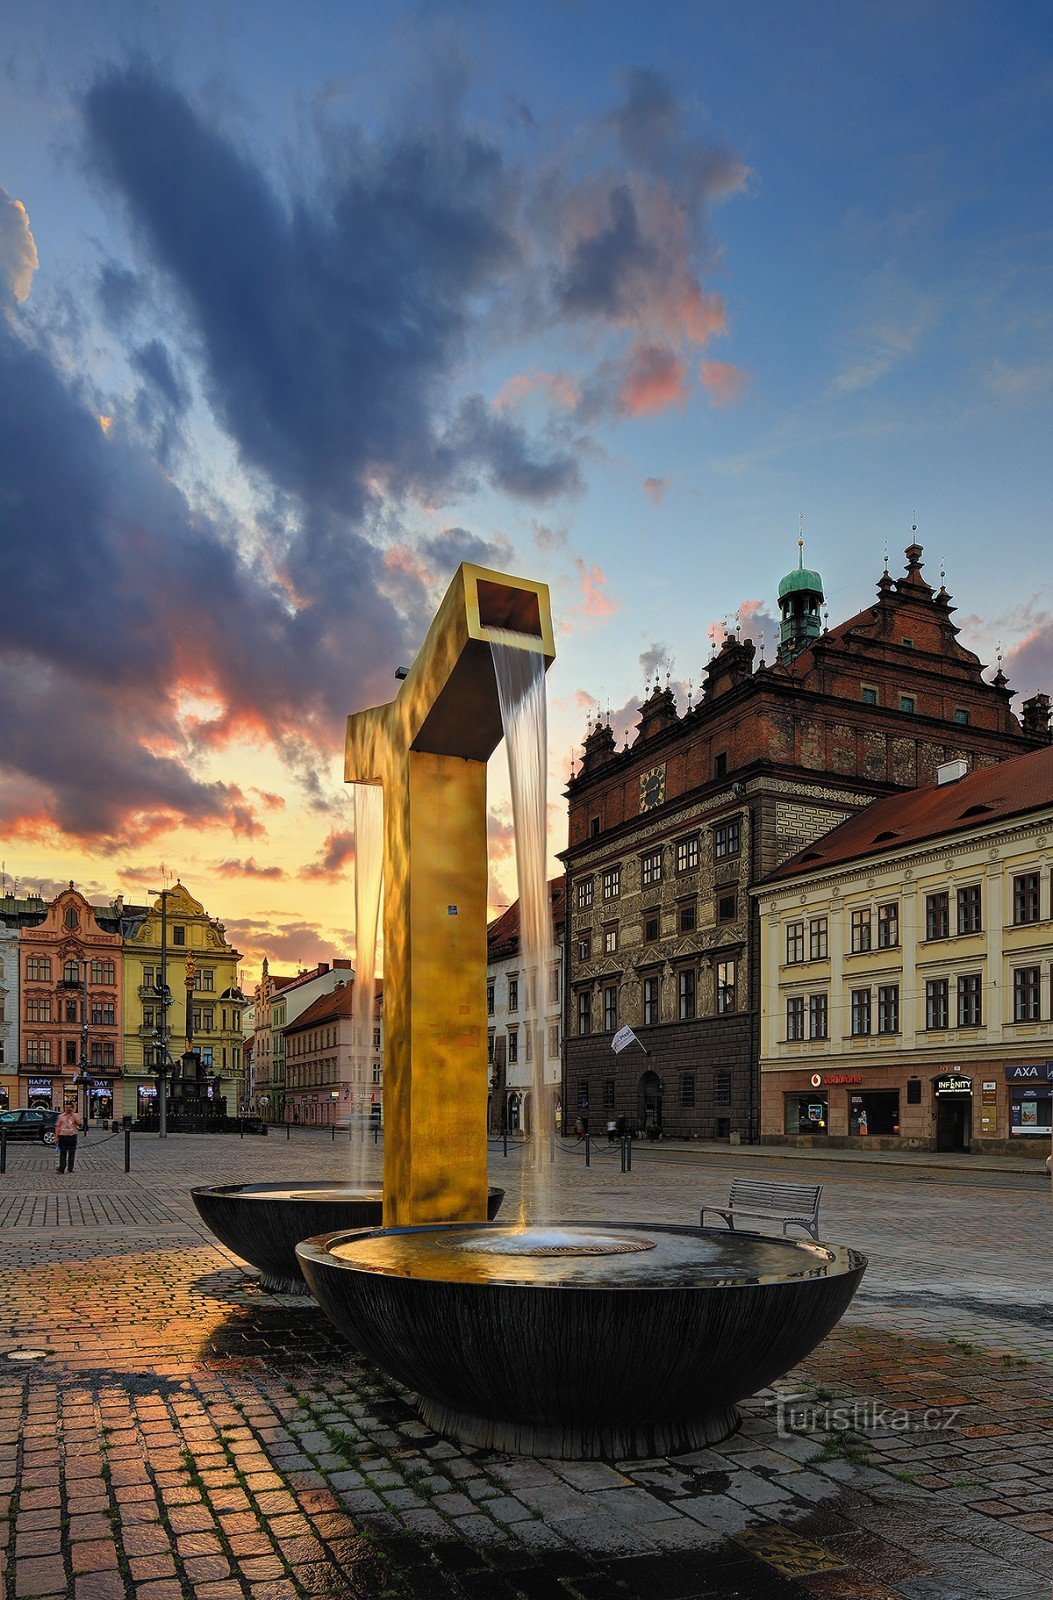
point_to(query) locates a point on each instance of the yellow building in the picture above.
(179, 944)
(906, 992)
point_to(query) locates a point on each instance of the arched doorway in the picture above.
(515, 1113)
(649, 1105)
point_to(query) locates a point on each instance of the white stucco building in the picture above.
(524, 1016)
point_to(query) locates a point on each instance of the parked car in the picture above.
(33, 1123)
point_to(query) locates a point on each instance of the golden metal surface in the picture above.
(428, 748)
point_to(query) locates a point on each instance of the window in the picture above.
(612, 882)
(583, 1094)
(610, 1008)
(687, 917)
(720, 764)
(553, 986)
(937, 916)
(101, 1015)
(584, 894)
(651, 868)
(585, 947)
(888, 1008)
(727, 839)
(70, 918)
(584, 1011)
(888, 925)
(102, 1055)
(725, 986)
(818, 1025)
(860, 930)
(38, 1052)
(906, 702)
(148, 1016)
(970, 919)
(489, 999)
(970, 1003)
(528, 1040)
(203, 1019)
(148, 977)
(795, 1018)
(868, 695)
(594, 827)
(722, 1088)
(875, 1114)
(1027, 1005)
(178, 935)
(817, 939)
(687, 853)
(610, 941)
(608, 1094)
(651, 1003)
(70, 1009)
(650, 927)
(513, 994)
(376, 1039)
(102, 971)
(936, 1003)
(378, 1072)
(860, 1012)
(490, 1047)
(726, 906)
(38, 1008)
(206, 979)
(687, 1091)
(38, 969)
(71, 1053)
(71, 972)
(794, 943)
(961, 716)
(513, 1045)
(685, 990)
(553, 1040)
(1025, 898)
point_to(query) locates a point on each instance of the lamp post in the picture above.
(161, 1063)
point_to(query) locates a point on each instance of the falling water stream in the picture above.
(369, 872)
(519, 666)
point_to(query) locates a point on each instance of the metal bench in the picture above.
(764, 1200)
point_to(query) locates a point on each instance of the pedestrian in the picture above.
(66, 1127)
(612, 1129)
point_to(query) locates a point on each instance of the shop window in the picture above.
(874, 1114)
(888, 925)
(936, 1003)
(794, 943)
(860, 1012)
(651, 1003)
(685, 989)
(817, 939)
(1031, 1111)
(937, 916)
(818, 1024)
(687, 1091)
(970, 1001)
(1026, 897)
(860, 931)
(970, 911)
(806, 1113)
(795, 1019)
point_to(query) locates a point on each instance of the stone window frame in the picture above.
(908, 704)
(610, 938)
(583, 1012)
(726, 977)
(725, 898)
(651, 994)
(609, 1002)
(686, 993)
(727, 838)
(651, 865)
(651, 917)
(869, 694)
(687, 915)
(584, 893)
(688, 844)
(612, 882)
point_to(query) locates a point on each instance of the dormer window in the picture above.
(70, 918)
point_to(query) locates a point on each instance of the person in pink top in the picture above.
(67, 1125)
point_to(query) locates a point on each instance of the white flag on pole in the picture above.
(623, 1039)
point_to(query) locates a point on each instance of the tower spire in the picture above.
(800, 603)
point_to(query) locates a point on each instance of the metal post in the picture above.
(84, 1078)
(127, 1149)
(504, 1139)
(162, 1092)
(629, 1153)
(288, 1129)
(622, 1152)
(588, 1160)
(376, 1134)
(332, 1133)
(3, 1149)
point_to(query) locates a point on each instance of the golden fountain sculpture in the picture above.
(428, 749)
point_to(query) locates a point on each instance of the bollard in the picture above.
(376, 1134)
(588, 1161)
(288, 1127)
(622, 1152)
(504, 1139)
(629, 1153)
(3, 1150)
(127, 1149)
(332, 1138)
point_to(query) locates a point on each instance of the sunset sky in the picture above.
(301, 305)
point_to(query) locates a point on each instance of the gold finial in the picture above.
(800, 546)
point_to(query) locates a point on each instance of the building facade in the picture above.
(279, 1000)
(668, 836)
(15, 912)
(329, 1078)
(177, 938)
(524, 1018)
(907, 962)
(70, 992)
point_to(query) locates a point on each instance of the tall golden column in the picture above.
(428, 748)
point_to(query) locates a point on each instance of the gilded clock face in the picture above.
(652, 788)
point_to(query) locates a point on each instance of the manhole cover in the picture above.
(26, 1355)
(786, 1551)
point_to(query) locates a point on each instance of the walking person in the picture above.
(67, 1125)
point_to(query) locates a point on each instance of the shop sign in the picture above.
(1030, 1071)
(827, 1078)
(953, 1084)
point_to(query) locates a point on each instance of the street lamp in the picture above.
(164, 996)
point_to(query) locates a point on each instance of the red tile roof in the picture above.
(991, 794)
(502, 935)
(338, 1002)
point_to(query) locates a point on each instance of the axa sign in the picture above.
(1030, 1072)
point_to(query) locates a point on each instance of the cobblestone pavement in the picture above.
(182, 1433)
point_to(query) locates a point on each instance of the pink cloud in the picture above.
(654, 379)
(723, 381)
(335, 857)
(1029, 663)
(249, 868)
(595, 605)
(559, 388)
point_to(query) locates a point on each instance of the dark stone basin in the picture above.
(264, 1222)
(580, 1339)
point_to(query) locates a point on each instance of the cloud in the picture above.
(595, 604)
(651, 659)
(1029, 662)
(750, 621)
(558, 388)
(892, 328)
(655, 489)
(547, 538)
(723, 382)
(1019, 385)
(295, 942)
(654, 380)
(249, 868)
(18, 249)
(335, 858)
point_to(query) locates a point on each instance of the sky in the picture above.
(300, 306)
